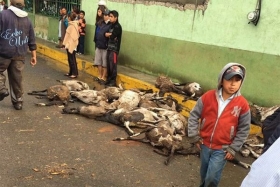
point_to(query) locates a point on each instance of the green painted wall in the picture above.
(194, 45)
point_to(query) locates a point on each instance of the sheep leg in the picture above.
(167, 161)
(129, 130)
(70, 111)
(39, 93)
(51, 103)
(144, 140)
(239, 163)
(255, 155)
(163, 151)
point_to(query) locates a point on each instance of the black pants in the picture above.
(14, 69)
(73, 69)
(81, 45)
(112, 60)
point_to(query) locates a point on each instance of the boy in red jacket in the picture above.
(220, 123)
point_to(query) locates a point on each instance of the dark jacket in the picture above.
(63, 26)
(271, 129)
(17, 34)
(114, 43)
(100, 40)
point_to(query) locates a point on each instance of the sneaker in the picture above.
(4, 94)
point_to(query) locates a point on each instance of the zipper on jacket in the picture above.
(211, 138)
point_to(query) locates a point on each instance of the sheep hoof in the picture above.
(40, 104)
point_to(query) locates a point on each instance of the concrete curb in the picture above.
(128, 82)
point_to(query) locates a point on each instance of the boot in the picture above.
(3, 93)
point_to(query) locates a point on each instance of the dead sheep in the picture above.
(161, 137)
(259, 113)
(87, 96)
(89, 111)
(192, 90)
(177, 120)
(165, 84)
(139, 118)
(74, 85)
(127, 101)
(57, 94)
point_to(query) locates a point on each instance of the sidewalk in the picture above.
(128, 77)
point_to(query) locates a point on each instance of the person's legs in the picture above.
(216, 165)
(82, 44)
(98, 62)
(15, 80)
(4, 64)
(69, 63)
(115, 62)
(205, 154)
(104, 64)
(73, 64)
(104, 73)
(111, 68)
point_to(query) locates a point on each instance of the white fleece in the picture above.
(20, 13)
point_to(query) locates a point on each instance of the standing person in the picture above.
(271, 129)
(82, 31)
(101, 44)
(2, 5)
(265, 171)
(63, 24)
(98, 20)
(76, 10)
(220, 123)
(70, 42)
(14, 49)
(114, 44)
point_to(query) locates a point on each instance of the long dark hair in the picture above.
(99, 19)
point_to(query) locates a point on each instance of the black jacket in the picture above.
(100, 40)
(271, 129)
(17, 35)
(114, 43)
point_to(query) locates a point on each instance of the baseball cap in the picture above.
(233, 70)
(106, 12)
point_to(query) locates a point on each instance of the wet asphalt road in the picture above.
(40, 147)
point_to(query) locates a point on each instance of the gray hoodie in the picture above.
(244, 119)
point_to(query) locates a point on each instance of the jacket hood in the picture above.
(75, 23)
(220, 78)
(20, 13)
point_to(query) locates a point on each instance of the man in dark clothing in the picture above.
(114, 43)
(271, 129)
(17, 34)
(62, 25)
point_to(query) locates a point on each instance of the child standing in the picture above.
(101, 45)
(70, 42)
(82, 31)
(220, 123)
(114, 44)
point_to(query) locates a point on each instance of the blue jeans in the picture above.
(212, 165)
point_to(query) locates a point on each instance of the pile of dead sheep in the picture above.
(158, 116)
